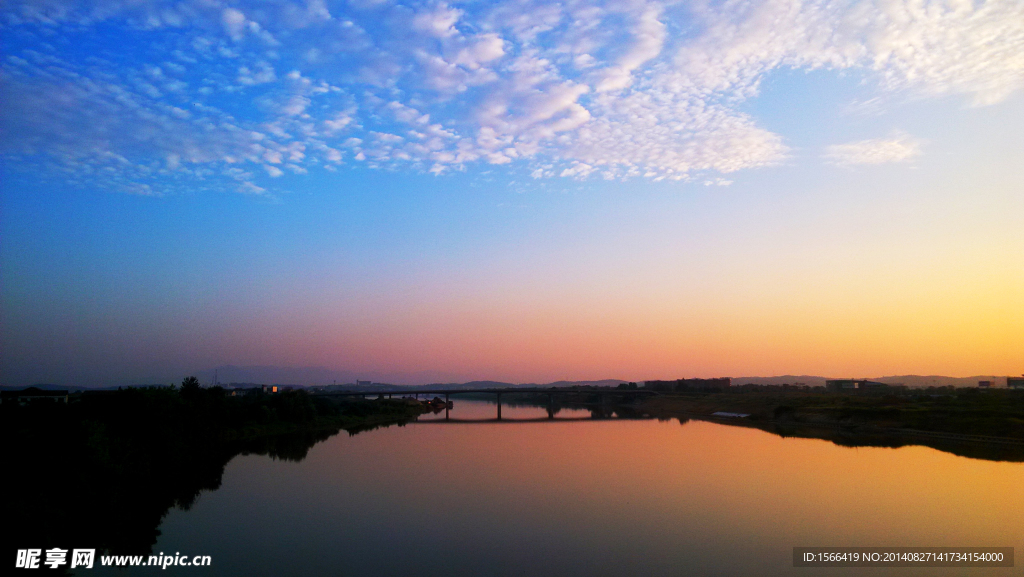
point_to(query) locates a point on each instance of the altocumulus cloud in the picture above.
(898, 147)
(148, 95)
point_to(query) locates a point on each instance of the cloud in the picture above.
(438, 21)
(262, 75)
(718, 182)
(481, 50)
(582, 89)
(649, 35)
(234, 23)
(899, 147)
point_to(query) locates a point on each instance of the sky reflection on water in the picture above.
(602, 497)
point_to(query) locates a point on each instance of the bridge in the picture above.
(498, 392)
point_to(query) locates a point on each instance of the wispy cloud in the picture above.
(208, 92)
(898, 147)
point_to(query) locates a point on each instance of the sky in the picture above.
(515, 190)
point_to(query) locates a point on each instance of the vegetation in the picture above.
(937, 417)
(104, 469)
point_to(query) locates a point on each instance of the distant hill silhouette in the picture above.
(307, 376)
(940, 381)
(320, 376)
(908, 380)
(811, 380)
(501, 385)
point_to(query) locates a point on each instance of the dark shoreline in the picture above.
(857, 421)
(970, 423)
(102, 471)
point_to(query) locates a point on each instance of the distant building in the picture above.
(33, 394)
(363, 383)
(985, 384)
(1015, 382)
(854, 385)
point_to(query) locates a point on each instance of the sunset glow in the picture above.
(516, 191)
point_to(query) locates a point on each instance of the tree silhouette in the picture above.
(190, 390)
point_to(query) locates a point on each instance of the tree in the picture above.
(189, 386)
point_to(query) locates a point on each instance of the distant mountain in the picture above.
(940, 381)
(47, 387)
(809, 380)
(601, 383)
(501, 385)
(469, 385)
(908, 380)
(42, 386)
(320, 376)
(307, 376)
(272, 375)
(310, 376)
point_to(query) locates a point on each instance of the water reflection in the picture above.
(524, 411)
(118, 504)
(588, 497)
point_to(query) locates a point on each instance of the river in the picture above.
(587, 497)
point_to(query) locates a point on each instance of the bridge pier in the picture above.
(446, 401)
(499, 405)
(551, 405)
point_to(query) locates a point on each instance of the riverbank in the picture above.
(979, 424)
(102, 470)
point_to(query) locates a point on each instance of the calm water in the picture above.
(605, 497)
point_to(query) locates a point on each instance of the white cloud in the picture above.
(899, 147)
(439, 21)
(262, 74)
(587, 88)
(234, 23)
(295, 105)
(483, 49)
(250, 188)
(950, 47)
(578, 170)
(718, 182)
(649, 35)
(340, 120)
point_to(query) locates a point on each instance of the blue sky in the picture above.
(517, 190)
